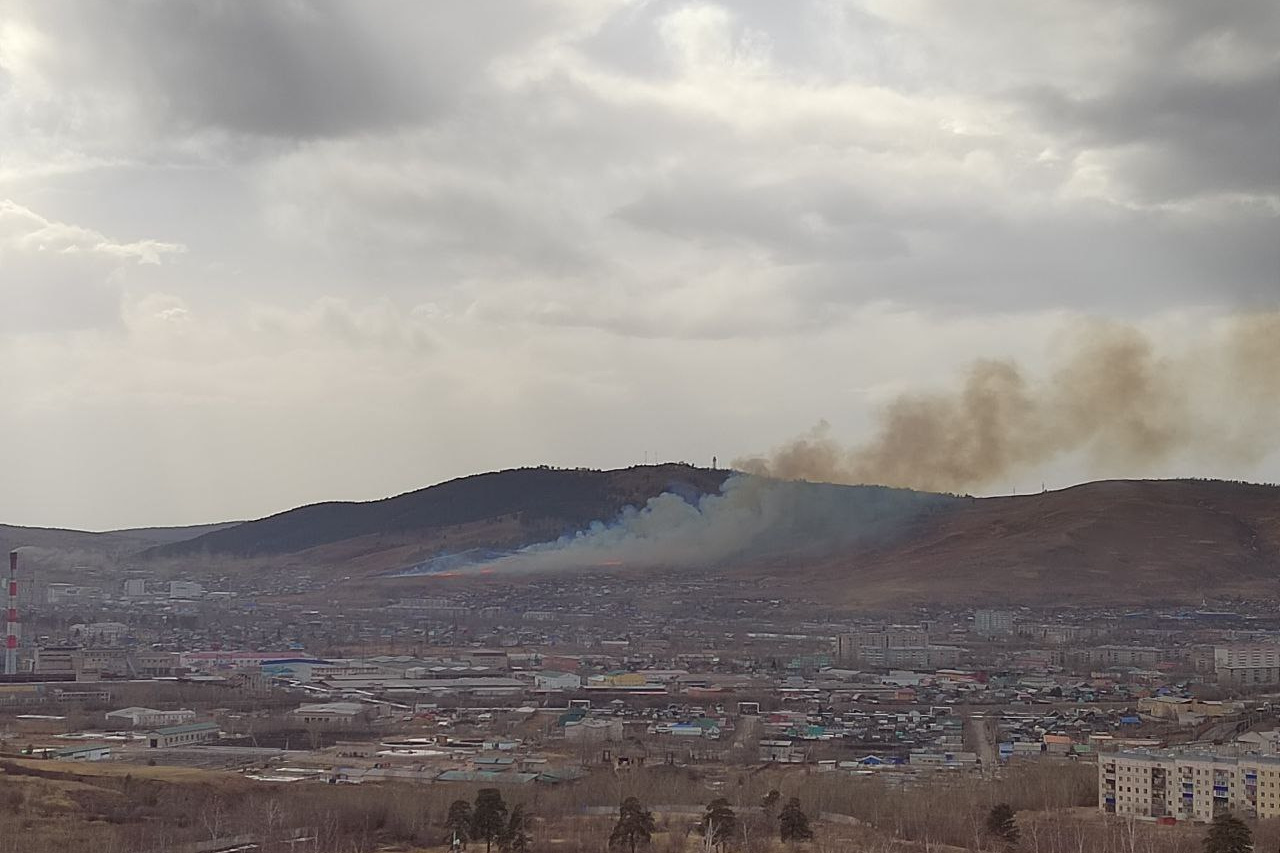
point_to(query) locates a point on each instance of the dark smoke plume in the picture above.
(1113, 398)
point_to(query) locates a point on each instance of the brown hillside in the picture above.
(1122, 541)
(499, 509)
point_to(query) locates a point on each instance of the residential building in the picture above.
(1245, 665)
(853, 647)
(781, 752)
(1188, 785)
(1142, 657)
(991, 623)
(910, 657)
(135, 587)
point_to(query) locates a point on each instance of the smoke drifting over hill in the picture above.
(751, 515)
(1113, 398)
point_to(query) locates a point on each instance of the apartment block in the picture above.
(991, 623)
(1245, 665)
(1144, 657)
(1188, 785)
(854, 646)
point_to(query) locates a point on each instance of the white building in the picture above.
(185, 589)
(1247, 664)
(65, 593)
(150, 717)
(100, 633)
(990, 623)
(1188, 785)
(550, 680)
(333, 715)
(593, 730)
(135, 587)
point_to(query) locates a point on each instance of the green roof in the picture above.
(184, 729)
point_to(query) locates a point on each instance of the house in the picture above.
(188, 735)
(781, 752)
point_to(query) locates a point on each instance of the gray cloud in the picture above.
(283, 69)
(519, 229)
(1175, 136)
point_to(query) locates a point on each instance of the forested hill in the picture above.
(520, 505)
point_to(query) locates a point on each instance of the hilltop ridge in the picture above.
(1121, 540)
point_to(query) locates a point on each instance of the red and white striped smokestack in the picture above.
(11, 643)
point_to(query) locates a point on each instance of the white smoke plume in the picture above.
(753, 516)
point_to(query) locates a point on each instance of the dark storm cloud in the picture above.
(288, 69)
(1179, 135)
(1195, 110)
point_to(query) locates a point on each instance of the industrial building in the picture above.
(187, 735)
(150, 717)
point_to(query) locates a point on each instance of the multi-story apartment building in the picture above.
(1247, 664)
(1188, 785)
(850, 647)
(1130, 656)
(993, 622)
(910, 657)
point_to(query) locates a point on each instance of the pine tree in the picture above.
(459, 823)
(770, 801)
(1228, 834)
(1001, 824)
(489, 817)
(515, 839)
(793, 823)
(718, 822)
(634, 827)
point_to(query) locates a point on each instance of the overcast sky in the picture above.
(259, 254)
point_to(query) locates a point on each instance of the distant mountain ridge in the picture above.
(527, 504)
(1130, 541)
(111, 542)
